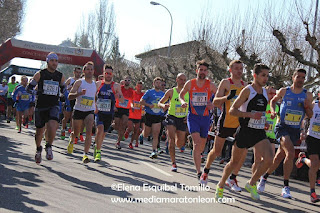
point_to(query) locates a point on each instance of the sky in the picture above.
(140, 26)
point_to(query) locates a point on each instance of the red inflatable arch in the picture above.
(67, 55)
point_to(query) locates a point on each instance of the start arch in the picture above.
(67, 55)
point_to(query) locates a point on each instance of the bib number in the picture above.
(199, 99)
(124, 103)
(25, 97)
(50, 87)
(86, 102)
(180, 111)
(136, 105)
(316, 128)
(257, 124)
(270, 129)
(293, 117)
(104, 105)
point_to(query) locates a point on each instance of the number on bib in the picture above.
(124, 103)
(257, 124)
(86, 102)
(50, 87)
(180, 111)
(104, 105)
(199, 98)
(25, 97)
(293, 117)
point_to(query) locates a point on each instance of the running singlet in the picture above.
(11, 87)
(48, 89)
(106, 98)
(226, 119)
(255, 103)
(272, 122)
(22, 97)
(86, 102)
(70, 85)
(175, 108)
(135, 111)
(314, 128)
(292, 108)
(199, 98)
(127, 94)
(153, 97)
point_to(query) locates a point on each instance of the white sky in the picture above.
(140, 25)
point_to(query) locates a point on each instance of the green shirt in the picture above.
(175, 108)
(11, 87)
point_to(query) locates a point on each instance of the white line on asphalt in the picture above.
(155, 168)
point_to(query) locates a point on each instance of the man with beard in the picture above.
(250, 107)
(296, 102)
(200, 91)
(122, 112)
(107, 93)
(47, 106)
(228, 91)
(153, 114)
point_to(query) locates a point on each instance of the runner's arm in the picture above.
(219, 97)
(308, 105)
(74, 90)
(33, 82)
(118, 92)
(275, 99)
(183, 92)
(167, 96)
(234, 109)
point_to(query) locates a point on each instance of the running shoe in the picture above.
(221, 161)
(262, 184)
(49, 154)
(159, 151)
(153, 155)
(85, 159)
(69, 130)
(70, 146)
(137, 144)
(204, 179)
(286, 192)
(182, 149)
(219, 193)
(75, 140)
(141, 139)
(314, 198)
(253, 191)
(233, 184)
(118, 146)
(149, 138)
(94, 151)
(123, 138)
(174, 167)
(130, 146)
(81, 138)
(63, 134)
(318, 182)
(8, 121)
(19, 131)
(202, 159)
(126, 134)
(97, 157)
(27, 126)
(17, 128)
(37, 157)
(298, 163)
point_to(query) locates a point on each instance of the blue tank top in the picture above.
(22, 96)
(292, 108)
(106, 98)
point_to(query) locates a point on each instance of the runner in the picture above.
(296, 102)
(135, 115)
(32, 103)
(122, 113)
(84, 91)
(250, 107)
(22, 99)
(313, 149)
(47, 105)
(153, 114)
(200, 90)
(69, 105)
(227, 92)
(4, 88)
(108, 92)
(162, 134)
(176, 118)
(11, 86)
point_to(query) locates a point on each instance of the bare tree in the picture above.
(12, 13)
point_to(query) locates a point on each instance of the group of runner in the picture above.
(247, 110)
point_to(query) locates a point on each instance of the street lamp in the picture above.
(156, 3)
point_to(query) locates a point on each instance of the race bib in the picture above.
(86, 102)
(180, 111)
(293, 117)
(25, 97)
(257, 124)
(270, 129)
(316, 128)
(50, 87)
(136, 105)
(199, 99)
(156, 109)
(124, 103)
(104, 105)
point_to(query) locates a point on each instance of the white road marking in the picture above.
(155, 168)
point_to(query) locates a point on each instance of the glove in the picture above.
(231, 94)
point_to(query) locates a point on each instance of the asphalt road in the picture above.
(128, 176)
